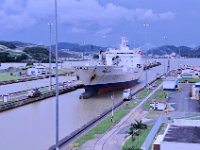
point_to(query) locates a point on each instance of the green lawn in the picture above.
(194, 118)
(139, 140)
(102, 127)
(5, 76)
(192, 80)
(106, 124)
(144, 93)
(159, 81)
(130, 105)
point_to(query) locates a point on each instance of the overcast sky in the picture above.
(103, 22)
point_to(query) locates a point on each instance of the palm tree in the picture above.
(133, 131)
(139, 125)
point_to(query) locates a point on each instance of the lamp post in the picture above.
(179, 52)
(84, 46)
(50, 55)
(145, 25)
(57, 86)
(165, 38)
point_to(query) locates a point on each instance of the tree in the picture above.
(133, 131)
(135, 128)
(8, 44)
(30, 63)
(139, 125)
(40, 54)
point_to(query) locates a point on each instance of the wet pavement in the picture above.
(181, 101)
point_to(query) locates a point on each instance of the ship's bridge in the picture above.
(129, 58)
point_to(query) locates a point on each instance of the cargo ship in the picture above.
(116, 69)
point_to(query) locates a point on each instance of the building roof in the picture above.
(158, 101)
(183, 134)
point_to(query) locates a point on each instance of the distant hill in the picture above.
(169, 49)
(79, 48)
(33, 54)
(10, 45)
(14, 51)
(23, 52)
(14, 44)
(38, 54)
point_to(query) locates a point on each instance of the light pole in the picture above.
(145, 25)
(179, 51)
(165, 38)
(84, 50)
(57, 86)
(50, 55)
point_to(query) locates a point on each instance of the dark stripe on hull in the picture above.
(92, 90)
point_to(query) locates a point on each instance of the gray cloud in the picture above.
(104, 32)
(77, 30)
(26, 13)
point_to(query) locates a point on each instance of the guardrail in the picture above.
(148, 141)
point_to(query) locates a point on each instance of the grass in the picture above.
(5, 76)
(105, 124)
(191, 80)
(139, 140)
(102, 127)
(144, 93)
(195, 118)
(130, 105)
(159, 81)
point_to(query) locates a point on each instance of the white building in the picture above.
(36, 70)
(170, 84)
(196, 91)
(158, 105)
(190, 73)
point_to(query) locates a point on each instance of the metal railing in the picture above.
(148, 141)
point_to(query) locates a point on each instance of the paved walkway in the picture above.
(113, 139)
(182, 102)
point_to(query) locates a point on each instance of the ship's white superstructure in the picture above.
(116, 69)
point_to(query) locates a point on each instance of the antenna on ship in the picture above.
(165, 38)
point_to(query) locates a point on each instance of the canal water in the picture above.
(32, 126)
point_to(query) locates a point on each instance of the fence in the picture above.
(148, 141)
